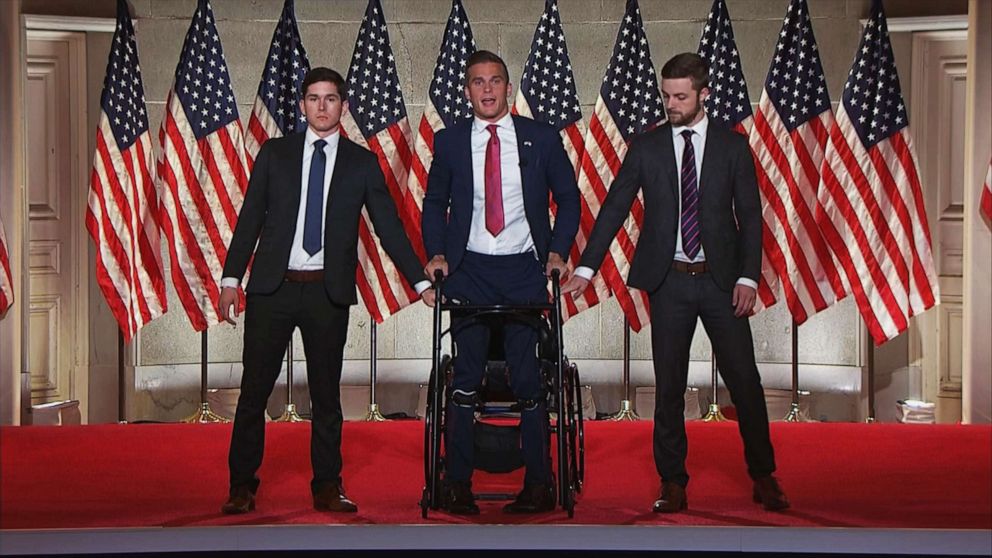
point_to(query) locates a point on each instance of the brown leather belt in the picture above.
(311, 276)
(690, 268)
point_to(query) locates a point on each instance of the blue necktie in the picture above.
(690, 200)
(312, 240)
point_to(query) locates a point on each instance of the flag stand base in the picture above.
(374, 414)
(205, 416)
(626, 412)
(714, 414)
(289, 414)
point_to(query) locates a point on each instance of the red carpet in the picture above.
(837, 475)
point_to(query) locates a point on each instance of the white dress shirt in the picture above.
(515, 238)
(699, 146)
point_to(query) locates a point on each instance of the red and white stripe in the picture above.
(871, 212)
(203, 184)
(6, 280)
(261, 128)
(122, 217)
(382, 287)
(985, 205)
(604, 151)
(423, 156)
(788, 169)
(573, 138)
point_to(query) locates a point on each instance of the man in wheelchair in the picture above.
(487, 229)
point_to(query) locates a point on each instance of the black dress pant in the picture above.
(269, 323)
(675, 307)
(484, 279)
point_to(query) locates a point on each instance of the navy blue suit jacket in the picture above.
(544, 169)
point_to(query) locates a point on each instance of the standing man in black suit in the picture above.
(698, 257)
(303, 206)
(486, 222)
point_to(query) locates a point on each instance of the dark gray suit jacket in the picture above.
(272, 203)
(729, 208)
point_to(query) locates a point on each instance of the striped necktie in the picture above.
(690, 200)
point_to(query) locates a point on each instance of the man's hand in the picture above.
(229, 305)
(555, 261)
(428, 297)
(437, 263)
(743, 301)
(575, 285)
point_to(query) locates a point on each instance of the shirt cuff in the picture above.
(584, 272)
(230, 282)
(748, 283)
(421, 286)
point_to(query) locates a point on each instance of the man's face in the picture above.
(488, 90)
(683, 104)
(322, 105)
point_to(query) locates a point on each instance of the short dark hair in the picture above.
(482, 57)
(688, 65)
(321, 73)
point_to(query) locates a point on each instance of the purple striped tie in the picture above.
(690, 199)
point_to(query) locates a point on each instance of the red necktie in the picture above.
(494, 184)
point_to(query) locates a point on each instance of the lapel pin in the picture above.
(527, 143)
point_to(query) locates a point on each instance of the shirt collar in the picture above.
(332, 140)
(699, 128)
(479, 125)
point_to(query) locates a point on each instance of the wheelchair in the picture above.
(561, 382)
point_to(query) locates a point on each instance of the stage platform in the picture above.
(156, 488)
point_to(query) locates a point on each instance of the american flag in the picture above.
(446, 104)
(730, 106)
(6, 280)
(629, 103)
(122, 213)
(277, 109)
(202, 169)
(547, 94)
(377, 120)
(788, 140)
(985, 205)
(870, 202)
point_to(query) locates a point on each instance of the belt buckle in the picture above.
(692, 273)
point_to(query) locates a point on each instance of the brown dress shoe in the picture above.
(768, 493)
(534, 498)
(330, 497)
(240, 500)
(458, 498)
(672, 498)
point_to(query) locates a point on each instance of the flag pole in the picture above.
(626, 411)
(204, 414)
(121, 380)
(713, 414)
(289, 413)
(871, 381)
(794, 414)
(374, 415)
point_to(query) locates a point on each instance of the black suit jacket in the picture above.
(729, 208)
(544, 169)
(272, 203)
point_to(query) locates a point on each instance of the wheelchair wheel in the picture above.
(577, 438)
(567, 482)
(433, 436)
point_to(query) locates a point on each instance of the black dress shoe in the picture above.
(330, 497)
(769, 494)
(240, 500)
(672, 498)
(534, 498)
(458, 498)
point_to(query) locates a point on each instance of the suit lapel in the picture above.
(711, 154)
(525, 148)
(339, 174)
(295, 171)
(668, 151)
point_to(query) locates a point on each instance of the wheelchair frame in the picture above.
(567, 428)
